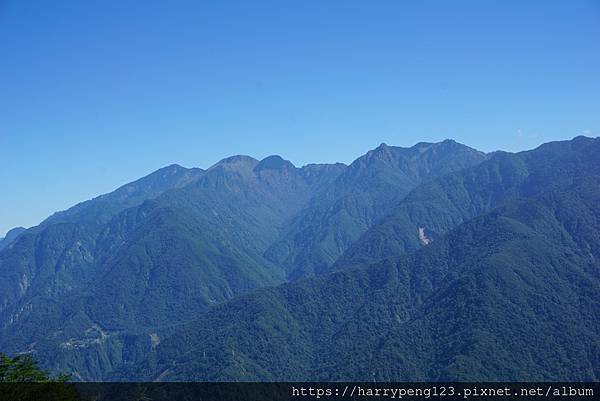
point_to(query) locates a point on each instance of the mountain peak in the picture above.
(273, 162)
(173, 168)
(380, 150)
(11, 235)
(237, 162)
(13, 232)
(450, 143)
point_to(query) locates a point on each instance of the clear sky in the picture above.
(94, 94)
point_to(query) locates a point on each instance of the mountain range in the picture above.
(434, 262)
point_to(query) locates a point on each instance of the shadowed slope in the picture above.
(512, 295)
(445, 202)
(363, 193)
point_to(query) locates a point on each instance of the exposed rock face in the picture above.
(422, 237)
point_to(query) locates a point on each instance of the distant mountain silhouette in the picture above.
(431, 262)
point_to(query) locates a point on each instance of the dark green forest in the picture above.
(435, 262)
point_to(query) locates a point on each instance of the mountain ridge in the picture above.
(361, 194)
(473, 191)
(408, 345)
(10, 236)
(91, 290)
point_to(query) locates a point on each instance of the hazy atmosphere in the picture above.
(265, 195)
(96, 94)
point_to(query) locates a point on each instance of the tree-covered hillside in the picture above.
(443, 203)
(436, 250)
(82, 287)
(366, 190)
(511, 295)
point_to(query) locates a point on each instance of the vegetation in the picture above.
(445, 202)
(88, 288)
(22, 380)
(202, 275)
(511, 295)
(370, 186)
(24, 369)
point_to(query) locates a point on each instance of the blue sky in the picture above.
(97, 94)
